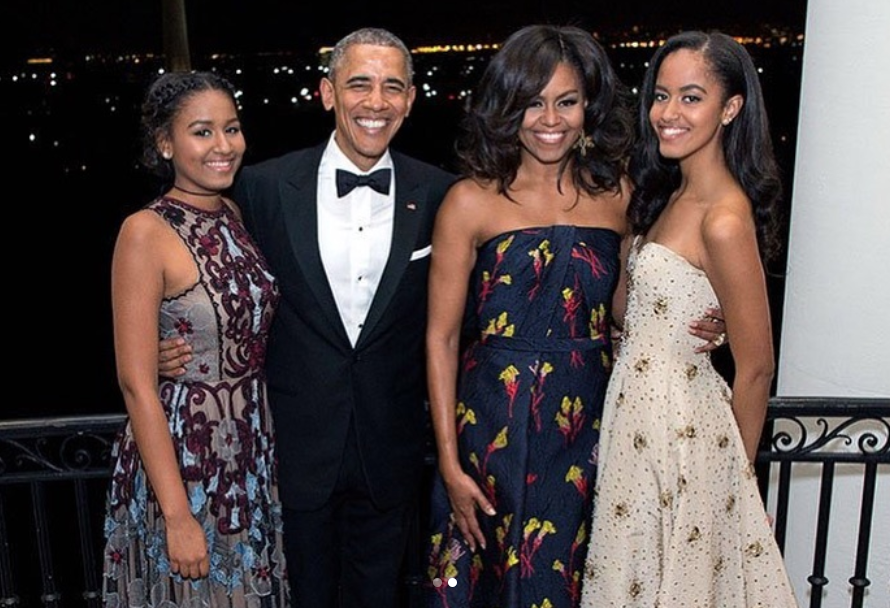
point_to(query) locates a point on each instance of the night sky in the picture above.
(34, 27)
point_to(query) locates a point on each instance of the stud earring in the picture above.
(167, 155)
(583, 143)
(726, 121)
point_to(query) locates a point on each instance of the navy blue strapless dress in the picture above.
(530, 396)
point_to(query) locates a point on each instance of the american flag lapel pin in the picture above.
(412, 206)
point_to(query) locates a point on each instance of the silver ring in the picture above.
(720, 339)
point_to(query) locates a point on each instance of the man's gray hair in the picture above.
(369, 35)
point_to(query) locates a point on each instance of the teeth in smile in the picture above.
(371, 124)
(550, 137)
(671, 131)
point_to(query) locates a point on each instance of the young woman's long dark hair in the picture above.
(747, 145)
(488, 145)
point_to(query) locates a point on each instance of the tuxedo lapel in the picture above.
(406, 222)
(299, 195)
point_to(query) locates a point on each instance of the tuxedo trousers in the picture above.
(349, 553)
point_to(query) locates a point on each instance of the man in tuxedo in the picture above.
(346, 229)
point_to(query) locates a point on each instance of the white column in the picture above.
(836, 322)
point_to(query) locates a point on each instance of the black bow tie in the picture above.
(379, 180)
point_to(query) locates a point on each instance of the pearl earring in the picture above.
(166, 155)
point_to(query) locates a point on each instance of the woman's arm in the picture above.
(453, 257)
(137, 286)
(733, 266)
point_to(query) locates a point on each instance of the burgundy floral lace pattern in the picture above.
(222, 434)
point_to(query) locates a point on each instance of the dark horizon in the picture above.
(60, 27)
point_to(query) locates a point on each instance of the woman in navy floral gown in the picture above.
(193, 515)
(528, 246)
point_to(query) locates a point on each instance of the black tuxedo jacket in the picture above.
(317, 381)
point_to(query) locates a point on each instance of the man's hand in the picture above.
(173, 354)
(711, 328)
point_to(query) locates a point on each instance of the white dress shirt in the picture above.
(354, 237)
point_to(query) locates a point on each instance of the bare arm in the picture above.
(137, 284)
(733, 266)
(453, 256)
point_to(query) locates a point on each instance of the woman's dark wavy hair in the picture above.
(488, 145)
(747, 146)
(164, 99)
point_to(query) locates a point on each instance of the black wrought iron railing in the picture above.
(54, 474)
(813, 436)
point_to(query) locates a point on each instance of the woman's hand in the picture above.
(173, 354)
(187, 547)
(711, 328)
(466, 498)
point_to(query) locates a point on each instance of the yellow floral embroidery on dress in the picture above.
(542, 253)
(691, 371)
(512, 558)
(499, 327)
(465, 416)
(694, 534)
(642, 366)
(661, 306)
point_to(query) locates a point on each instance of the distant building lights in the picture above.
(32, 138)
(294, 100)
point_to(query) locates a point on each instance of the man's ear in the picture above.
(326, 88)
